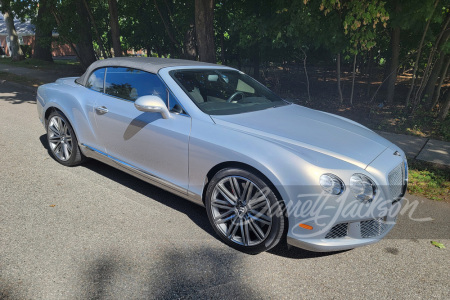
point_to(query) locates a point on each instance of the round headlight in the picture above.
(362, 187)
(331, 184)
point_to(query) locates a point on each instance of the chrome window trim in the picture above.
(168, 90)
(104, 77)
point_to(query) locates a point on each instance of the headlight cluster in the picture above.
(362, 187)
(331, 184)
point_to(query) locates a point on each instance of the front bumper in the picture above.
(335, 223)
(347, 235)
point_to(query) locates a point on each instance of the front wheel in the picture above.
(244, 211)
(62, 141)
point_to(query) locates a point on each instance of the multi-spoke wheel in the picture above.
(62, 140)
(244, 211)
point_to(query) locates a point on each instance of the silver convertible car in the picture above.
(266, 170)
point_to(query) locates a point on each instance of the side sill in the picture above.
(141, 174)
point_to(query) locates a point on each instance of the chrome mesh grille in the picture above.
(372, 228)
(338, 231)
(396, 180)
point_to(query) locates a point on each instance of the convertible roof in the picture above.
(148, 64)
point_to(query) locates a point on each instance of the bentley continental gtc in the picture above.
(266, 170)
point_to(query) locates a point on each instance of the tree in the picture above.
(115, 30)
(445, 106)
(97, 34)
(432, 77)
(84, 47)
(395, 52)
(44, 26)
(359, 22)
(14, 46)
(441, 81)
(419, 51)
(204, 28)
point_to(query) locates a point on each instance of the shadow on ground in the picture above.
(17, 93)
(196, 213)
(175, 274)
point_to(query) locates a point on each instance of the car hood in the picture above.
(297, 126)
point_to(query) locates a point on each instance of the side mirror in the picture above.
(151, 103)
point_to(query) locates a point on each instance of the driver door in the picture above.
(142, 141)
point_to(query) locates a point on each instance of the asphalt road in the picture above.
(94, 232)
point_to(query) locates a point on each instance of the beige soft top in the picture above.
(148, 64)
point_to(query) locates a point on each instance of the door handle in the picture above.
(101, 110)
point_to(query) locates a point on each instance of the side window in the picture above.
(95, 81)
(130, 84)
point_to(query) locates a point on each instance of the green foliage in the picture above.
(429, 181)
(438, 245)
(27, 50)
(359, 20)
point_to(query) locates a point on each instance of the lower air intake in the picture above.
(372, 228)
(338, 231)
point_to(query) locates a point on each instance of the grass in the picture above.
(20, 79)
(423, 123)
(429, 180)
(61, 64)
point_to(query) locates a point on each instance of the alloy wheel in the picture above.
(60, 138)
(241, 210)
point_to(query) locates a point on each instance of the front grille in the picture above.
(372, 228)
(338, 231)
(396, 181)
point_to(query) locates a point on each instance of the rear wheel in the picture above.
(62, 141)
(244, 211)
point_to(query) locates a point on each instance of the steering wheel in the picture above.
(234, 95)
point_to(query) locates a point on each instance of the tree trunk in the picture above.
(43, 35)
(222, 49)
(84, 46)
(306, 74)
(429, 89)
(190, 49)
(14, 46)
(369, 73)
(204, 19)
(419, 51)
(167, 28)
(393, 66)
(437, 94)
(445, 106)
(256, 61)
(71, 45)
(440, 41)
(115, 31)
(338, 70)
(353, 80)
(97, 35)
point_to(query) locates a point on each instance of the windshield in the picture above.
(225, 92)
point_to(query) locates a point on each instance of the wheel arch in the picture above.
(51, 109)
(236, 164)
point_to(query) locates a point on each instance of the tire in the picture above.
(62, 141)
(244, 211)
